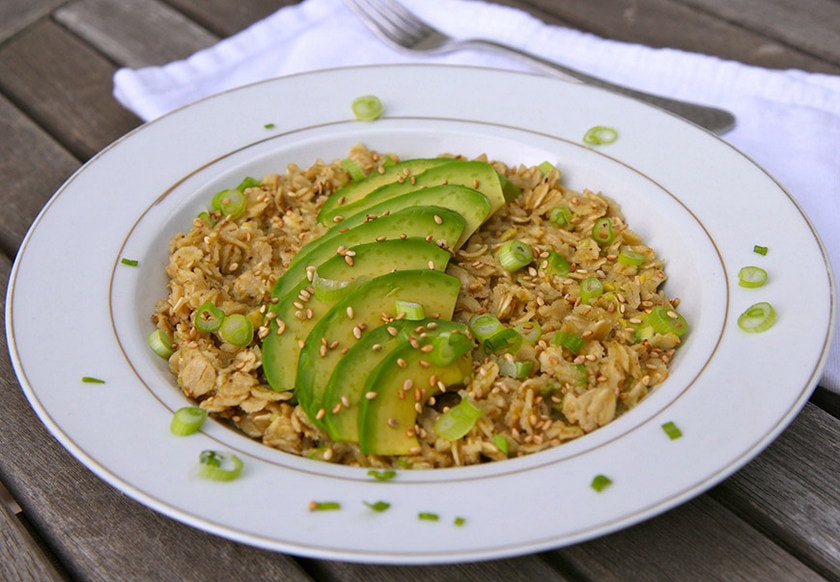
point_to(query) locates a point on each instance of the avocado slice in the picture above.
(478, 175)
(402, 383)
(358, 189)
(301, 309)
(372, 304)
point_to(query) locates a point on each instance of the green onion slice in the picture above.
(187, 420)
(485, 325)
(760, 250)
(752, 277)
(448, 347)
(515, 254)
(600, 482)
(367, 107)
(324, 506)
(530, 331)
(518, 369)
(556, 264)
(546, 167)
(458, 420)
(230, 203)
(378, 506)
(160, 343)
(248, 182)
(602, 231)
(630, 258)
(218, 466)
(92, 380)
(672, 430)
(129, 262)
(383, 475)
(568, 340)
(757, 318)
(590, 288)
(507, 340)
(459, 521)
(561, 215)
(428, 516)
(501, 443)
(410, 310)
(600, 135)
(208, 317)
(353, 168)
(664, 319)
(237, 329)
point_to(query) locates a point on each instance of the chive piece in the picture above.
(331, 290)
(129, 262)
(353, 168)
(568, 340)
(459, 521)
(457, 421)
(752, 277)
(448, 347)
(757, 318)
(324, 505)
(546, 167)
(760, 250)
(517, 369)
(269, 125)
(561, 215)
(505, 341)
(600, 135)
(208, 317)
(556, 264)
(515, 254)
(630, 258)
(367, 107)
(602, 231)
(501, 443)
(218, 466)
(530, 331)
(187, 420)
(428, 516)
(92, 380)
(672, 430)
(413, 311)
(160, 343)
(590, 288)
(663, 319)
(601, 482)
(237, 329)
(230, 203)
(384, 475)
(379, 506)
(484, 325)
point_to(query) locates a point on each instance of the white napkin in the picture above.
(788, 121)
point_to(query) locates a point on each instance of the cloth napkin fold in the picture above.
(788, 121)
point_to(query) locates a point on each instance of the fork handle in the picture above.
(712, 118)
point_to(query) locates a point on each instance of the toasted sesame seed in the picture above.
(393, 422)
(393, 331)
(337, 408)
(357, 333)
(402, 363)
(427, 348)
(376, 347)
(349, 260)
(345, 401)
(281, 326)
(438, 219)
(321, 413)
(370, 395)
(349, 311)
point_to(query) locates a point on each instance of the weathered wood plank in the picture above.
(226, 18)
(21, 558)
(135, 34)
(667, 23)
(15, 15)
(65, 86)
(32, 167)
(791, 490)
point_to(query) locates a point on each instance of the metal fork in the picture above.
(401, 29)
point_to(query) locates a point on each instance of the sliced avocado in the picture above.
(480, 176)
(469, 203)
(372, 304)
(301, 309)
(402, 383)
(358, 189)
(440, 224)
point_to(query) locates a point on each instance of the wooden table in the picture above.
(776, 519)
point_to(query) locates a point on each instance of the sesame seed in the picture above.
(345, 401)
(393, 422)
(320, 414)
(376, 347)
(438, 219)
(427, 348)
(337, 219)
(281, 326)
(402, 363)
(337, 408)
(393, 331)
(349, 311)
(408, 384)
(370, 395)
(348, 259)
(432, 380)
(357, 333)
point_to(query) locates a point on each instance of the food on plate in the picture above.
(423, 313)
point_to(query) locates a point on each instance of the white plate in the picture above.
(74, 310)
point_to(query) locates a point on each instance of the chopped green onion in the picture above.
(590, 288)
(230, 203)
(411, 310)
(672, 430)
(630, 258)
(269, 125)
(92, 380)
(218, 466)
(331, 290)
(129, 262)
(448, 347)
(507, 340)
(516, 368)
(760, 250)
(237, 329)
(530, 331)
(546, 167)
(384, 475)
(510, 191)
(428, 516)
(388, 161)
(602, 231)
(353, 168)
(556, 264)
(161, 343)
(484, 325)
(600, 135)
(457, 421)
(601, 482)
(248, 182)
(501, 443)
(187, 420)
(367, 107)
(561, 215)
(583, 380)
(568, 340)
(757, 318)
(515, 254)
(378, 506)
(208, 317)
(459, 521)
(664, 319)
(324, 505)
(206, 218)
(752, 277)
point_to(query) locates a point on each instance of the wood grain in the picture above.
(15, 15)
(21, 558)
